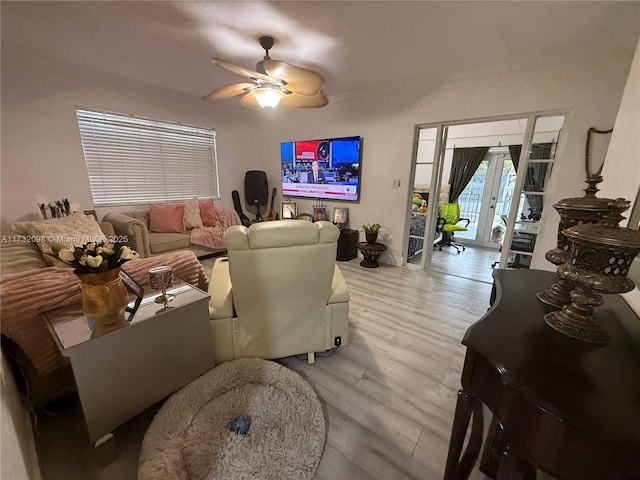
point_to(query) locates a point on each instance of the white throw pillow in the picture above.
(192, 217)
(74, 230)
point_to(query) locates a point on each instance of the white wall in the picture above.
(621, 169)
(41, 150)
(41, 155)
(589, 89)
(622, 178)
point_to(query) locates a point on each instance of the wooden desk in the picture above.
(566, 407)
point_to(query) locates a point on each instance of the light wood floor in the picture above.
(389, 396)
(473, 263)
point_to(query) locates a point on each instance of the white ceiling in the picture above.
(357, 46)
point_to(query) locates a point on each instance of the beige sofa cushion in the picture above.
(142, 215)
(192, 214)
(166, 242)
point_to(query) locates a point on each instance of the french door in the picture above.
(427, 173)
(486, 200)
(498, 195)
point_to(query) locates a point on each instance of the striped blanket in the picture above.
(213, 237)
(24, 296)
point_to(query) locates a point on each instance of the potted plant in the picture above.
(371, 231)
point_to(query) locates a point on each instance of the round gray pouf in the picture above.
(190, 438)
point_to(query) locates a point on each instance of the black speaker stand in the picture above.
(258, 216)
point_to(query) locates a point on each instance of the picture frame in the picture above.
(319, 213)
(288, 210)
(341, 216)
(135, 288)
(305, 216)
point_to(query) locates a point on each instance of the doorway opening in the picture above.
(474, 166)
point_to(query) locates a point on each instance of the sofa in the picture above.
(136, 227)
(33, 283)
(19, 255)
(279, 292)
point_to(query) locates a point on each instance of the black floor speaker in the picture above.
(256, 187)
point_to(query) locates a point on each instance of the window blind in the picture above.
(133, 160)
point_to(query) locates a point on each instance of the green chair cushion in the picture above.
(454, 228)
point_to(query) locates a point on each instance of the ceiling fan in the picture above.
(273, 83)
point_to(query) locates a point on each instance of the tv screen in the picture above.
(327, 169)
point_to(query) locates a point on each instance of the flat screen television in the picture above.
(327, 168)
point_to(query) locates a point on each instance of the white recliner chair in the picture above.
(279, 292)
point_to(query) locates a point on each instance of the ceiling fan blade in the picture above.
(299, 80)
(245, 72)
(228, 91)
(294, 100)
(249, 101)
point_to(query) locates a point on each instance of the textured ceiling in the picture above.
(357, 46)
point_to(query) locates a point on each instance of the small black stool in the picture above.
(347, 245)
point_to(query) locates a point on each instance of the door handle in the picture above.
(492, 206)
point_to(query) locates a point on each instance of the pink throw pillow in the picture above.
(207, 212)
(166, 218)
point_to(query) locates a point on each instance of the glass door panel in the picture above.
(421, 204)
(487, 199)
(470, 201)
(500, 203)
(423, 176)
(541, 144)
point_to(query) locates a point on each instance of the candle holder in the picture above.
(161, 278)
(600, 258)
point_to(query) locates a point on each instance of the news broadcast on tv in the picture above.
(327, 169)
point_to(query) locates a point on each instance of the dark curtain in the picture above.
(463, 166)
(535, 175)
(514, 151)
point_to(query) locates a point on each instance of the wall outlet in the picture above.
(337, 341)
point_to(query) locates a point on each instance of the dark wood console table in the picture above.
(566, 407)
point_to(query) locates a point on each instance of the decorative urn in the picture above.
(600, 258)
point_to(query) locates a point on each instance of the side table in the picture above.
(565, 407)
(371, 253)
(120, 374)
(347, 245)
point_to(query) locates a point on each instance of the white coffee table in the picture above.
(120, 374)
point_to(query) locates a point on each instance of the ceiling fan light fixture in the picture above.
(272, 81)
(267, 96)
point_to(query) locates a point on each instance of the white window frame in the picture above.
(134, 160)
